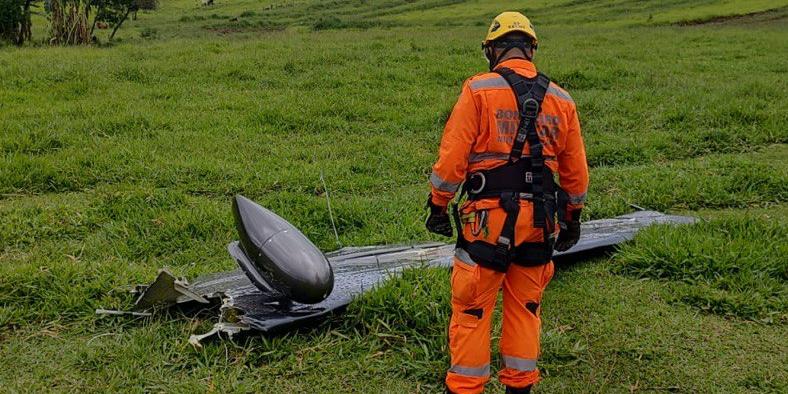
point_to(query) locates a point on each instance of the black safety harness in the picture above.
(521, 178)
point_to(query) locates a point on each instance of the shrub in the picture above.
(149, 33)
(328, 22)
(147, 4)
(15, 20)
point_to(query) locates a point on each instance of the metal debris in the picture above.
(112, 312)
(228, 329)
(166, 290)
(356, 270)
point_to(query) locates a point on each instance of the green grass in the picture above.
(733, 266)
(120, 159)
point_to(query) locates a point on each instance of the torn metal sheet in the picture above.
(166, 290)
(245, 307)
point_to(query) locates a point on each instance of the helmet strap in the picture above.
(493, 59)
(489, 53)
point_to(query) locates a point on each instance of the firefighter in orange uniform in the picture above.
(510, 134)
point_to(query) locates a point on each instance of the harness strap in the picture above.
(510, 202)
(529, 94)
(529, 97)
(506, 178)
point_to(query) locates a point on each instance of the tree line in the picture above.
(71, 22)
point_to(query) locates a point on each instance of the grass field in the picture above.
(119, 159)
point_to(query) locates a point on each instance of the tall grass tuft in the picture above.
(733, 266)
(407, 316)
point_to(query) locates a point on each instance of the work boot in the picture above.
(512, 390)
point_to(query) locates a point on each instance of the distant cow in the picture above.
(102, 25)
(207, 2)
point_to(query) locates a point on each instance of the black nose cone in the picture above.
(280, 254)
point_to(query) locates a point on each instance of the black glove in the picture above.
(570, 231)
(439, 221)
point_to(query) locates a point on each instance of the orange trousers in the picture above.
(474, 292)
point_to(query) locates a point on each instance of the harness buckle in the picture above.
(509, 202)
(482, 182)
(501, 257)
(530, 108)
(529, 177)
(502, 248)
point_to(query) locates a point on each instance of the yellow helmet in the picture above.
(508, 22)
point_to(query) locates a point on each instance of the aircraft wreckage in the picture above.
(284, 281)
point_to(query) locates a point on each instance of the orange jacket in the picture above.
(482, 126)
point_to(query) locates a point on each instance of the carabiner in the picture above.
(480, 224)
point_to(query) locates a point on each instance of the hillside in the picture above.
(121, 158)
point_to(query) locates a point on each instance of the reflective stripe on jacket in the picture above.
(482, 126)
